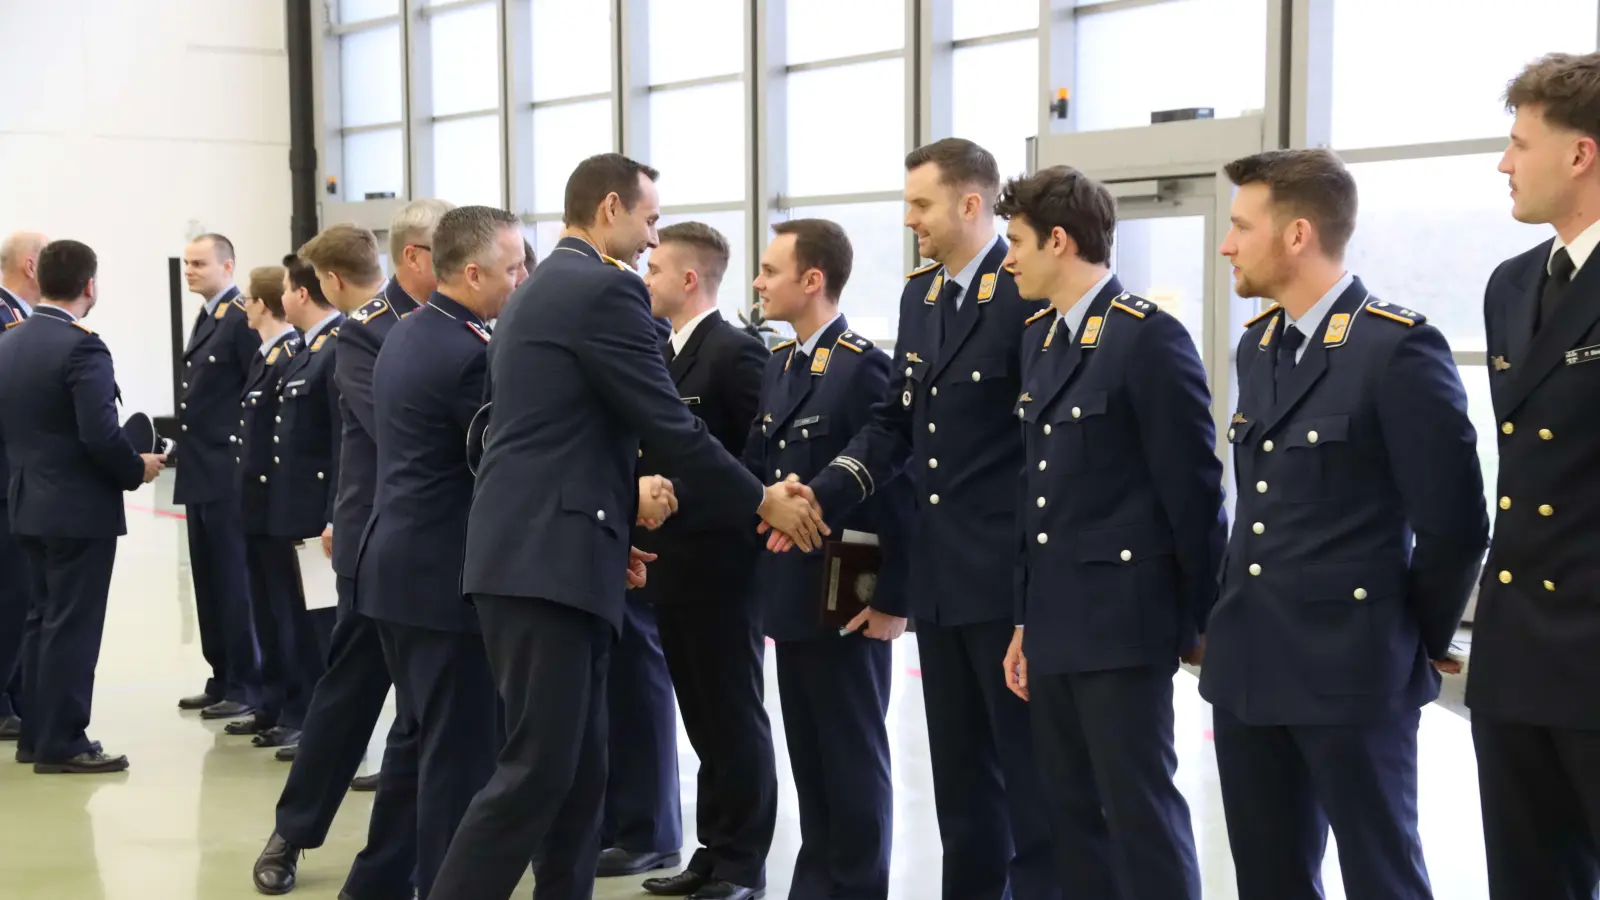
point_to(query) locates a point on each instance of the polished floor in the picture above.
(192, 813)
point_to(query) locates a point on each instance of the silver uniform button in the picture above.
(1044, 538)
(263, 479)
(1127, 555)
(186, 385)
(1255, 568)
(1258, 528)
(1267, 446)
(1311, 437)
(777, 473)
(783, 444)
(805, 432)
(278, 419)
(275, 460)
(233, 439)
(211, 359)
(1047, 429)
(1360, 593)
(934, 392)
(276, 440)
(321, 477)
(908, 371)
(977, 376)
(188, 365)
(1040, 503)
(1042, 465)
(933, 464)
(1231, 434)
(1076, 412)
(183, 406)
(1261, 487)
(931, 428)
(185, 428)
(934, 499)
(601, 515)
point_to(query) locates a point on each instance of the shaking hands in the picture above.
(657, 501)
(791, 516)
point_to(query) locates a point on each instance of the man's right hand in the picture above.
(1016, 666)
(327, 542)
(153, 464)
(790, 509)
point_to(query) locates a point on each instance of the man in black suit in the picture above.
(19, 293)
(700, 591)
(548, 556)
(1534, 688)
(70, 463)
(216, 363)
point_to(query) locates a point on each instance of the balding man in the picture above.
(19, 291)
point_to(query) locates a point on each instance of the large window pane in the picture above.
(374, 163)
(979, 18)
(1429, 234)
(1164, 261)
(695, 39)
(871, 299)
(1480, 408)
(369, 77)
(735, 293)
(813, 31)
(1454, 58)
(697, 142)
(571, 48)
(359, 10)
(996, 99)
(466, 160)
(1179, 65)
(564, 136)
(543, 236)
(867, 103)
(466, 65)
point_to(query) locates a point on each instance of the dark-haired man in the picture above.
(1121, 531)
(949, 415)
(70, 463)
(1534, 691)
(216, 363)
(548, 559)
(1361, 526)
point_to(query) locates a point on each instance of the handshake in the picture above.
(790, 513)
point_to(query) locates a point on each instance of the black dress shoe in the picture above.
(277, 736)
(366, 784)
(26, 757)
(680, 885)
(275, 867)
(198, 701)
(93, 762)
(286, 754)
(255, 724)
(227, 709)
(723, 890)
(616, 861)
(10, 728)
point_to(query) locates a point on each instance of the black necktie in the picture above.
(1292, 339)
(947, 306)
(1555, 286)
(670, 353)
(799, 365)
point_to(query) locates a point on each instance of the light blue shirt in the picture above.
(27, 310)
(964, 278)
(266, 346)
(810, 345)
(1310, 323)
(214, 302)
(1074, 316)
(317, 328)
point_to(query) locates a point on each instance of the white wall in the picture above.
(127, 123)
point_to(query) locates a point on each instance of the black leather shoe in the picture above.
(255, 724)
(26, 757)
(723, 890)
(616, 861)
(277, 736)
(275, 867)
(366, 784)
(680, 885)
(93, 762)
(227, 709)
(286, 754)
(10, 728)
(198, 701)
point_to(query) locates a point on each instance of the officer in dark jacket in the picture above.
(1534, 689)
(950, 415)
(216, 363)
(1121, 528)
(1360, 529)
(19, 293)
(70, 463)
(834, 687)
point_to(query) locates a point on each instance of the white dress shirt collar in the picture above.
(680, 338)
(1581, 248)
(810, 346)
(1074, 316)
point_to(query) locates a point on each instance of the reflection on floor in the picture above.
(189, 818)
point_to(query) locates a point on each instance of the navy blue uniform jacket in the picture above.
(1538, 618)
(1360, 522)
(305, 459)
(216, 364)
(426, 387)
(1121, 525)
(577, 379)
(360, 339)
(10, 317)
(257, 409)
(950, 414)
(70, 461)
(806, 416)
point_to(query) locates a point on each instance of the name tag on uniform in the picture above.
(809, 420)
(1583, 355)
(295, 383)
(690, 401)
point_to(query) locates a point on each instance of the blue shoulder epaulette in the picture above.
(1038, 315)
(927, 268)
(778, 347)
(1262, 315)
(852, 341)
(373, 309)
(1137, 307)
(1387, 310)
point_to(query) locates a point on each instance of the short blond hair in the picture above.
(348, 250)
(414, 224)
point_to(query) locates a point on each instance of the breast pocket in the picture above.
(1315, 450)
(804, 445)
(600, 542)
(990, 373)
(1075, 432)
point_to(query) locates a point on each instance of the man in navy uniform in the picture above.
(1360, 528)
(577, 357)
(1121, 529)
(949, 414)
(70, 463)
(350, 696)
(428, 384)
(19, 293)
(216, 363)
(1533, 688)
(818, 391)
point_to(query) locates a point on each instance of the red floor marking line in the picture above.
(153, 511)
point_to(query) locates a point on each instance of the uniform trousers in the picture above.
(1540, 790)
(222, 601)
(71, 578)
(715, 651)
(1105, 748)
(834, 693)
(987, 792)
(345, 706)
(291, 660)
(1283, 786)
(16, 596)
(643, 812)
(550, 663)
